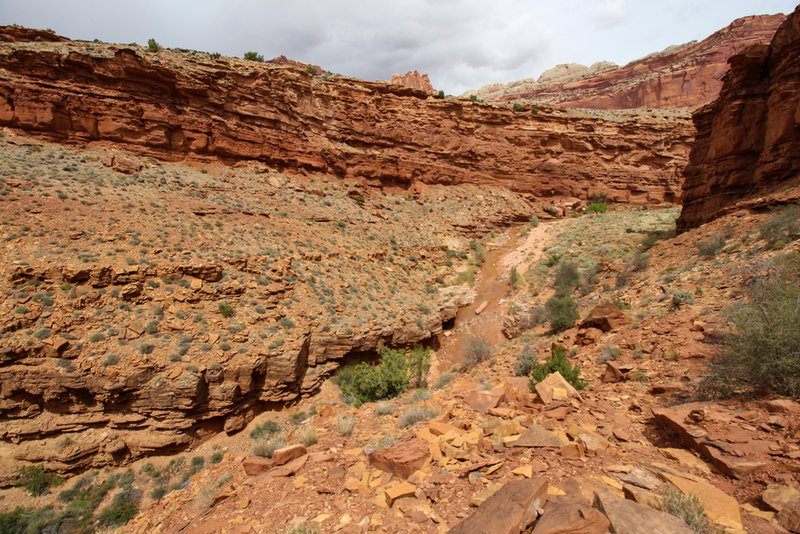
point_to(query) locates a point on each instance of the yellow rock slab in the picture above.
(554, 491)
(719, 506)
(321, 517)
(404, 489)
(752, 510)
(524, 470)
(686, 458)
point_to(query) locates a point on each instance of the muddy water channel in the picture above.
(482, 318)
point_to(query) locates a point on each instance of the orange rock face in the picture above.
(414, 80)
(173, 105)
(685, 76)
(748, 140)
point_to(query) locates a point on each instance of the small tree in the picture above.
(253, 56)
(557, 362)
(562, 311)
(153, 46)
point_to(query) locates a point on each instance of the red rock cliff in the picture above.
(414, 79)
(172, 105)
(748, 140)
(685, 76)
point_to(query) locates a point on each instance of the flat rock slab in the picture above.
(606, 316)
(628, 517)
(255, 465)
(570, 515)
(509, 511)
(287, 454)
(539, 436)
(785, 500)
(719, 506)
(483, 401)
(402, 459)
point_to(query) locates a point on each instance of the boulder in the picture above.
(569, 514)
(510, 510)
(785, 500)
(628, 517)
(606, 316)
(554, 387)
(539, 436)
(402, 459)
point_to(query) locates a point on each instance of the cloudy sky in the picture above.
(461, 44)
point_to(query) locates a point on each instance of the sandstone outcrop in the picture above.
(412, 79)
(173, 105)
(685, 76)
(748, 140)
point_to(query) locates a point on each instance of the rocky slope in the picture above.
(748, 140)
(173, 104)
(685, 76)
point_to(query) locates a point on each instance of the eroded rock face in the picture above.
(414, 80)
(173, 105)
(748, 140)
(685, 76)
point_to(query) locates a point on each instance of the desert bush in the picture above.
(525, 362)
(214, 55)
(782, 227)
(267, 428)
(345, 423)
(264, 447)
(384, 408)
(418, 360)
(122, 509)
(415, 415)
(557, 362)
(562, 312)
(253, 56)
(368, 383)
(567, 278)
(152, 45)
(689, 509)
(654, 236)
(514, 279)
(711, 246)
(762, 352)
(443, 380)
(476, 351)
(420, 395)
(225, 309)
(517, 106)
(596, 207)
(534, 221)
(639, 261)
(36, 480)
(308, 435)
(553, 259)
(440, 94)
(681, 297)
(610, 352)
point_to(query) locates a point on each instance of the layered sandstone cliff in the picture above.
(685, 76)
(748, 140)
(173, 105)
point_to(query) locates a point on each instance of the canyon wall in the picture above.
(172, 104)
(748, 140)
(685, 76)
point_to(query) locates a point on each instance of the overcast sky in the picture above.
(461, 44)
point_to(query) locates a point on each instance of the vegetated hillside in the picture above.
(149, 305)
(748, 141)
(685, 76)
(173, 104)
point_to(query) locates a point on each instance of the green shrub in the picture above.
(253, 56)
(681, 297)
(476, 351)
(152, 45)
(123, 508)
(567, 278)
(526, 362)
(562, 312)
(384, 408)
(596, 207)
(440, 94)
(36, 480)
(534, 222)
(311, 70)
(553, 259)
(782, 227)
(225, 309)
(443, 380)
(514, 279)
(709, 248)
(368, 383)
(214, 55)
(518, 107)
(762, 353)
(267, 428)
(158, 492)
(557, 362)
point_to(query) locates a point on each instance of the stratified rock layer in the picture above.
(414, 80)
(685, 76)
(173, 105)
(748, 140)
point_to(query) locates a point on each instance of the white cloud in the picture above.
(610, 13)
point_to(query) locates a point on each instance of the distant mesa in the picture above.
(414, 80)
(283, 60)
(684, 76)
